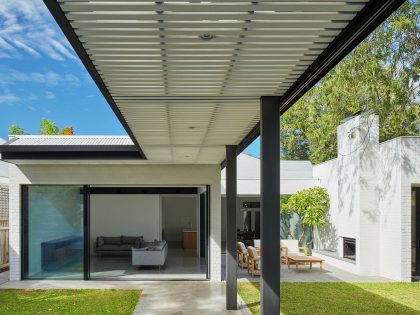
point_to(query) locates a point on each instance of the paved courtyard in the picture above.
(329, 274)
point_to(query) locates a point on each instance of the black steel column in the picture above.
(231, 263)
(270, 205)
(86, 232)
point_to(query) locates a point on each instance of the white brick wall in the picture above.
(116, 175)
(370, 190)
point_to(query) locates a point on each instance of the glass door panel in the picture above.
(53, 232)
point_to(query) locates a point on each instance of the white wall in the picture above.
(126, 174)
(130, 215)
(351, 181)
(400, 170)
(178, 213)
(410, 176)
(370, 190)
(294, 176)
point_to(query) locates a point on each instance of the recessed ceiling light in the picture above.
(206, 36)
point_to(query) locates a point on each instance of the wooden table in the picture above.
(304, 259)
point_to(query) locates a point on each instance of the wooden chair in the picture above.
(283, 255)
(291, 248)
(253, 261)
(242, 255)
(257, 245)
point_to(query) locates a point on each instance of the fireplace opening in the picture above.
(349, 248)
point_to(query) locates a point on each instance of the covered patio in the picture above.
(193, 83)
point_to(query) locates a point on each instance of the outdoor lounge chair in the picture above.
(291, 248)
(242, 255)
(257, 243)
(253, 261)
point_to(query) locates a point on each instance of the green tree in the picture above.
(312, 206)
(380, 76)
(15, 130)
(67, 130)
(47, 127)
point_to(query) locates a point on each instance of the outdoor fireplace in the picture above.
(349, 248)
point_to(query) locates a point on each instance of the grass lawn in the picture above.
(339, 298)
(68, 301)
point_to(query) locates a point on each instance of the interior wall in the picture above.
(178, 213)
(125, 214)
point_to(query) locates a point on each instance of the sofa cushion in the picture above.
(129, 239)
(125, 247)
(109, 247)
(100, 241)
(112, 240)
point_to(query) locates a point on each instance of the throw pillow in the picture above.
(143, 243)
(100, 241)
(137, 243)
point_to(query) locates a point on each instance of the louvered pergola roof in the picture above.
(185, 77)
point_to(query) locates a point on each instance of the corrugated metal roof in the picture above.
(70, 140)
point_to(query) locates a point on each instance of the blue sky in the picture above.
(42, 77)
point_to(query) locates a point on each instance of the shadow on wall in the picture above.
(326, 238)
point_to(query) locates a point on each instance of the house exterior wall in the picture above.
(390, 208)
(369, 185)
(352, 185)
(400, 171)
(93, 174)
(410, 177)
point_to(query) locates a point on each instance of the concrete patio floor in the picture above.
(329, 274)
(4, 277)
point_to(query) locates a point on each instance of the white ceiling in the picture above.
(185, 98)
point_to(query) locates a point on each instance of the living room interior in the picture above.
(148, 233)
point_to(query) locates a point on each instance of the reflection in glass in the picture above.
(55, 232)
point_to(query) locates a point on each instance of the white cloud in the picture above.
(9, 98)
(50, 95)
(26, 27)
(10, 77)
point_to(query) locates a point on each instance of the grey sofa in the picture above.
(153, 254)
(116, 245)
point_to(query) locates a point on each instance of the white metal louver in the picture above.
(187, 75)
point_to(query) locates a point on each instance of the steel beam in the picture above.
(270, 205)
(231, 259)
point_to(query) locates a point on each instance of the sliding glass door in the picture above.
(53, 232)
